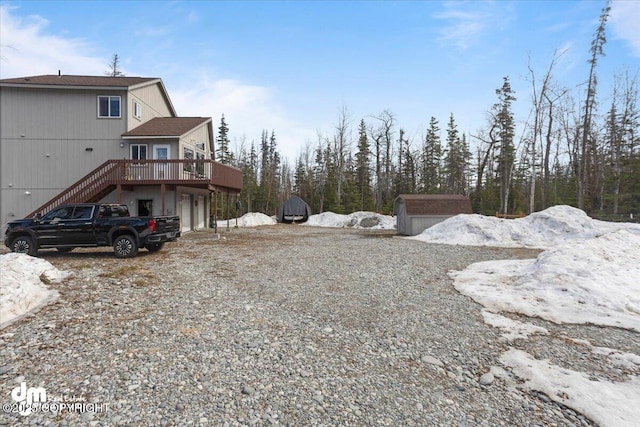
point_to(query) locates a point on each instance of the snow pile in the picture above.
(589, 274)
(594, 281)
(361, 219)
(251, 219)
(23, 285)
(552, 226)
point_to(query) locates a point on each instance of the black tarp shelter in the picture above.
(294, 209)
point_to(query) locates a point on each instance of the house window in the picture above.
(137, 110)
(188, 155)
(109, 106)
(138, 151)
(200, 164)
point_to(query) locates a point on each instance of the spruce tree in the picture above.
(223, 152)
(363, 170)
(456, 161)
(431, 176)
(506, 149)
(587, 179)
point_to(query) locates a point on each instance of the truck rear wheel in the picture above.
(125, 246)
(154, 247)
(24, 245)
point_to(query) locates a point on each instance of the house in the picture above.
(74, 139)
(294, 209)
(417, 212)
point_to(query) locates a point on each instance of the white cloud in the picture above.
(623, 19)
(28, 51)
(248, 110)
(469, 21)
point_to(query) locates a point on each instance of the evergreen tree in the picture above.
(506, 149)
(363, 170)
(456, 161)
(431, 176)
(588, 174)
(223, 152)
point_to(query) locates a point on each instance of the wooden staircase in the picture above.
(91, 188)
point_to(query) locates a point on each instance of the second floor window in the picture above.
(109, 106)
(137, 110)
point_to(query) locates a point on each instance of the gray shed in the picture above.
(417, 212)
(294, 209)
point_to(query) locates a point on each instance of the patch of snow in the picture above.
(605, 402)
(250, 219)
(22, 289)
(512, 328)
(360, 219)
(595, 281)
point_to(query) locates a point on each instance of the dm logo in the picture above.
(26, 397)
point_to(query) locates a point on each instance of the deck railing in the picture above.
(188, 172)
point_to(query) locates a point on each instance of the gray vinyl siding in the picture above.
(130, 198)
(173, 203)
(45, 134)
(44, 137)
(58, 115)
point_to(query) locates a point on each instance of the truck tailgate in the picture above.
(167, 224)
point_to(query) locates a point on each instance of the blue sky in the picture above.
(293, 66)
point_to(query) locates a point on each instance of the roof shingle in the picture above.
(167, 127)
(77, 81)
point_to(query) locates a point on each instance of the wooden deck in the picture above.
(122, 175)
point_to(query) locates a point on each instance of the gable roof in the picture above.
(435, 204)
(78, 81)
(62, 81)
(166, 127)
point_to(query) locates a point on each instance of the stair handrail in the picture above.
(92, 182)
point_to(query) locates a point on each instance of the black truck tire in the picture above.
(24, 245)
(154, 247)
(125, 246)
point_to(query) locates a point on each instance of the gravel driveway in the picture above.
(279, 325)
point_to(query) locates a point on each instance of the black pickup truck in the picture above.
(89, 225)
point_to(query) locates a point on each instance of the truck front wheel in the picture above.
(24, 245)
(125, 246)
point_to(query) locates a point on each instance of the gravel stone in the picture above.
(487, 379)
(284, 325)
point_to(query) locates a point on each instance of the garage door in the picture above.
(185, 212)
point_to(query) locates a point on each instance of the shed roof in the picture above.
(167, 127)
(436, 204)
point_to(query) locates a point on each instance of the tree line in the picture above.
(571, 152)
